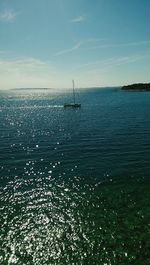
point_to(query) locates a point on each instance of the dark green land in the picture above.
(137, 87)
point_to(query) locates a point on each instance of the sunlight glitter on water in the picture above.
(51, 221)
(72, 182)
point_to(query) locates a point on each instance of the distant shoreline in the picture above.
(31, 88)
(137, 87)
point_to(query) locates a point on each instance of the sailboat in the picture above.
(73, 104)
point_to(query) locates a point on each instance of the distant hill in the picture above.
(137, 87)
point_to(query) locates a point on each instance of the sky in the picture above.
(47, 43)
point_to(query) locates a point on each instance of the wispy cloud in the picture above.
(87, 45)
(25, 72)
(138, 43)
(74, 48)
(107, 64)
(2, 52)
(8, 15)
(79, 19)
(117, 45)
(95, 40)
(78, 45)
(94, 63)
(22, 65)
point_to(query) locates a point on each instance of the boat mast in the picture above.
(73, 92)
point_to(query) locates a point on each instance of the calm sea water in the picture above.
(74, 182)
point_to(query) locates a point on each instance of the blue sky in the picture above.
(46, 43)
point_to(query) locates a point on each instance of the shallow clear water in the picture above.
(74, 182)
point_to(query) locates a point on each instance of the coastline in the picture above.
(137, 87)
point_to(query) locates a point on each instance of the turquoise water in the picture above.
(74, 182)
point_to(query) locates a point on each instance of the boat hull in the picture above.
(72, 105)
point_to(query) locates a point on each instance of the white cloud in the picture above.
(76, 47)
(8, 15)
(32, 72)
(25, 72)
(79, 19)
(21, 65)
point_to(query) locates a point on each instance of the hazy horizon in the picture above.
(59, 88)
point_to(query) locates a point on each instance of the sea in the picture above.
(74, 183)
